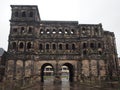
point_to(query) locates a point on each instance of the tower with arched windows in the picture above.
(88, 51)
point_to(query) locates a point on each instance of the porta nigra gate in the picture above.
(87, 50)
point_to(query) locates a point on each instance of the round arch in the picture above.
(71, 71)
(42, 70)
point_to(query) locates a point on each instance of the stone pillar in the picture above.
(77, 71)
(14, 72)
(90, 69)
(32, 70)
(23, 74)
(75, 78)
(57, 79)
(98, 70)
(106, 68)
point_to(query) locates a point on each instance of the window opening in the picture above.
(31, 14)
(29, 45)
(73, 46)
(60, 31)
(21, 45)
(54, 46)
(47, 46)
(84, 45)
(22, 30)
(23, 14)
(92, 45)
(72, 31)
(66, 32)
(54, 32)
(99, 45)
(67, 46)
(40, 47)
(83, 28)
(41, 31)
(14, 45)
(96, 29)
(48, 32)
(60, 46)
(30, 30)
(100, 52)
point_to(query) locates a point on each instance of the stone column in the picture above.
(90, 69)
(75, 76)
(57, 79)
(23, 74)
(32, 70)
(80, 72)
(14, 72)
(98, 70)
(79, 69)
(76, 71)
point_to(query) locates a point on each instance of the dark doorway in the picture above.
(70, 72)
(47, 71)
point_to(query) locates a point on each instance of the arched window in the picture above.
(72, 31)
(14, 45)
(31, 14)
(40, 46)
(100, 52)
(24, 14)
(41, 31)
(67, 46)
(48, 31)
(60, 31)
(30, 30)
(54, 31)
(16, 14)
(99, 45)
(22, 29)
(60, 46)
(66, 31)
(92, 45)
(54, 46)
(84, 45)
(83, 28)
(96, 29)
(47, 46)
(29, 45)
(73, 46)
(21, 45)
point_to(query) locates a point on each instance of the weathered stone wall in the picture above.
(33, 44)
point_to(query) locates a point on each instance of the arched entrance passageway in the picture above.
(46, 70)
(64, 73)
(69, 70)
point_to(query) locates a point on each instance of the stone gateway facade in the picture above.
(87, 50)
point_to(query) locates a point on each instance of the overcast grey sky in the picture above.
(106, 12)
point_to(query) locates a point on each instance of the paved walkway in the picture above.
(65, 86)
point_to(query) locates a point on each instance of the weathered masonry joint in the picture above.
(86, 49)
